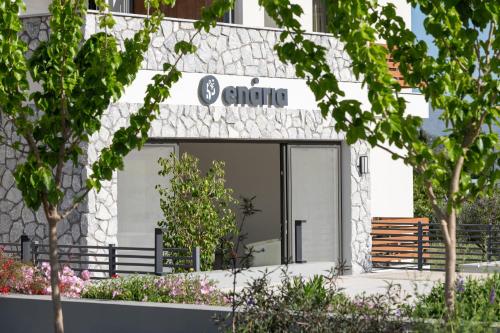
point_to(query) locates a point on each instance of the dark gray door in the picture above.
(314, 196)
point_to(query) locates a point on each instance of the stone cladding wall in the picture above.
(15, 218)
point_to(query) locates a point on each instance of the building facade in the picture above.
(236, 102)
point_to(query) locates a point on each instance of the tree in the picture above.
(77, 79)
(196, 207)
(461, 81)
(421, 205)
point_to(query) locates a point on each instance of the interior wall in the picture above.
(252, 169)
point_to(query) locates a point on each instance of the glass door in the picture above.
(138, 200)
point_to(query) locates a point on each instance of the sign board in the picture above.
(209, 90)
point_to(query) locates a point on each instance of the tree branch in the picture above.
(76, 203)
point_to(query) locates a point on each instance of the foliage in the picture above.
(484, 211)
(165, 289)
(196, 207)
(421, 205)
(239, 262)
(477, 303)
(75, 82)
(315, 305)
(17, 277)
(461, 81)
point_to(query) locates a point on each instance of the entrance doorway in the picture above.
(290, 182)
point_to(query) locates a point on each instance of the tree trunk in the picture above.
(54, 276)
(450, 266)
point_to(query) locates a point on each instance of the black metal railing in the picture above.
(420, 245)
(110, 260)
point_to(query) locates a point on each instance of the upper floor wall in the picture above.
(246, 12)
(228, 50)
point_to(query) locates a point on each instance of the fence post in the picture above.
(26, 255)
(34, 249)
(489, 247)
(420, 246)
(196, 259)
(158, 251)
(112, 260)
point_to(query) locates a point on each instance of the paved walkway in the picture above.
(368, 283)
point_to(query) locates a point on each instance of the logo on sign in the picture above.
(208, 90)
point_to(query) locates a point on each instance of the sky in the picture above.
(432, 125)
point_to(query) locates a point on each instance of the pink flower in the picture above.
(47, 290)
(175, 291)
(85, 275)
(206, 288)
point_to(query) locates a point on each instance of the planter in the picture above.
(481, 267)
(25, 314)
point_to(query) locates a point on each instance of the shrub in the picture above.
(164, 289)
(17, 277)
(477, 303)
(196, 208)
(485, 211)
(316, 305)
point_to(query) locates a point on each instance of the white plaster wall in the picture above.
(306, 20)
(249, 13)
(36, 6)
(185, 91)
(392, 185)
(403, 9)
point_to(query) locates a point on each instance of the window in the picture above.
(229, 17)
(117, 6)
(185, 9)
(319, 16)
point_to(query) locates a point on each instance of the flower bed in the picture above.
(164, 289)
(476, 300)
(17, 277)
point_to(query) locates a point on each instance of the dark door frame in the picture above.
(286, 248)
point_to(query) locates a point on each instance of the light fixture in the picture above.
(363, 165)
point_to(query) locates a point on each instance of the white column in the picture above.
(249, 13)
(36, 7)
(306, 20)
